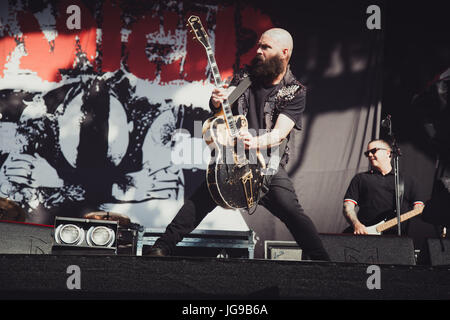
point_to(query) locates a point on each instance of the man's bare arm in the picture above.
(352, 218)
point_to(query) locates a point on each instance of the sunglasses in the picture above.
(373, 151)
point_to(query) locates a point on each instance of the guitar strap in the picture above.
(243, 85)
(401, 188)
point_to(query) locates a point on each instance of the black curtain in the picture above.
(340, 61)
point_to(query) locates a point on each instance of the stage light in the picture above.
(84, 236)
(100, 236)
(69, 234)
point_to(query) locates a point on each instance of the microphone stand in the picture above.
(396, 154)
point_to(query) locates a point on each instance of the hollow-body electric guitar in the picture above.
(234, 175)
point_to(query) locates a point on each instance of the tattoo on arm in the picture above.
(350, 213)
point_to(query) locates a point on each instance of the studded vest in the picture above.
(289, 88)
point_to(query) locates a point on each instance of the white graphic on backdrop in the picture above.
(48, 160)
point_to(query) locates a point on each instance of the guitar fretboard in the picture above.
(392, 222)
(225, 105)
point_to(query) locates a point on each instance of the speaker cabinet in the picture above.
(435, 252)
(351, 248)
(25, 238)
(371, 249)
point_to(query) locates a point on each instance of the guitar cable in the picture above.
(248, 210)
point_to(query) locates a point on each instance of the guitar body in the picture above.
(232, 183)
(373, 229)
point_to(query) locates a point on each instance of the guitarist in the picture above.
(273, 103)
(374, 191)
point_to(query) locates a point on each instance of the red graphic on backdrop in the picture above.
(96, 138)
(154, 45)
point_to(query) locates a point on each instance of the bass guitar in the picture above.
(234, 175)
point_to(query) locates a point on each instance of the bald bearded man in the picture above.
(273, 106)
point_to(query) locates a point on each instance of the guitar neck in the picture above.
(392, 222)
(225, 105)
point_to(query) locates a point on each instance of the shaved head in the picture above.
(282, 37)
(273, 53)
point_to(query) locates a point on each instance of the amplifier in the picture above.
(282, 250)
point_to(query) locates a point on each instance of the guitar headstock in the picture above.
(199, 32)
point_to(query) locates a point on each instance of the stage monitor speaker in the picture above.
(25, 238)
(435, 252)
(371, 249)
(351, 248)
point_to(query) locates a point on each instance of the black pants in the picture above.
(281, 200)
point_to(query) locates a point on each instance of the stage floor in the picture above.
(35, 276)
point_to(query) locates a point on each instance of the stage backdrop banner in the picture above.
(102, 104)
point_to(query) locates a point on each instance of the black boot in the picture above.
(157, 252)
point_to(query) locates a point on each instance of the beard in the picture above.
(265, 72)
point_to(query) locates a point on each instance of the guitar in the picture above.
(234, 175)
(378, 228)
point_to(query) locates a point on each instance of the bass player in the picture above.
(374, 192)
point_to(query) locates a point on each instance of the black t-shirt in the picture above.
(374, 193)
(258, 108)
(255, 113)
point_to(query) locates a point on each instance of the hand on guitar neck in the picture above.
(220, 94)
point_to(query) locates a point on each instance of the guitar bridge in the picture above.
(246, 180)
